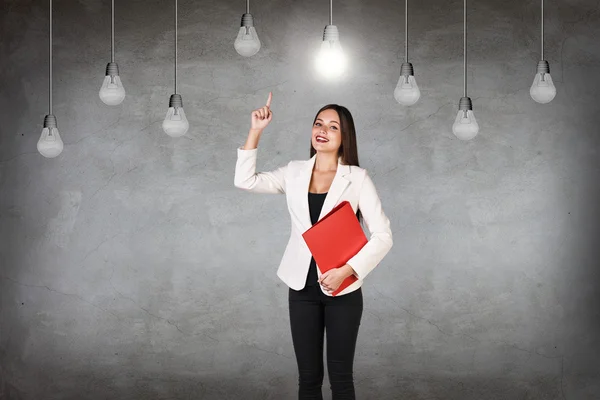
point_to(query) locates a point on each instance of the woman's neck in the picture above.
(326, 162)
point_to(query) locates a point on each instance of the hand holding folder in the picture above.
(335, 239)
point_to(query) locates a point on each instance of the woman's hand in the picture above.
(332, 279)
(262, 116)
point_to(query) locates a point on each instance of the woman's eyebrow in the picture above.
(319, 119)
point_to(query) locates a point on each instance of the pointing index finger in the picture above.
(269, 99)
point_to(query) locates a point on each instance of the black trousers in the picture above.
(311, 313)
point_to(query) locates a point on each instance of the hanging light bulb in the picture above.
(465, 125)
(331, 61)
(543, 90)
(50, 144)
(175, 123)
(247, 43)
(112, 91)
(407, 92)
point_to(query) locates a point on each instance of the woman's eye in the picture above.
(317, 124)
(333, 127)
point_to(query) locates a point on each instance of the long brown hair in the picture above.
(348, 149)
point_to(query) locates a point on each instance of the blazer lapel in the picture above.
(338, 185)
(302, 195)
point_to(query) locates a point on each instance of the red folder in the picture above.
(335, 239)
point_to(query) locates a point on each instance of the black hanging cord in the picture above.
(175, 46)
(112, 44)
(50, 72)
(542, 29)
(406, 30)
(465, 48)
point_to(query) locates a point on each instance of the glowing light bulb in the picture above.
(112, 91)
(247, 42)
(465, 125)
(407, 92)
(331, 61)
(542, 90)
(50, 144)
(175, 123)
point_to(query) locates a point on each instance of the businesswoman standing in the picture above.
(313, 188)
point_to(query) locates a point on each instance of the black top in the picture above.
(315, 203)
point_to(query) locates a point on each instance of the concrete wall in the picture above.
(132, 268)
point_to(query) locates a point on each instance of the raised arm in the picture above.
(246, 176)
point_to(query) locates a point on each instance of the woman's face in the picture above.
(327, 126)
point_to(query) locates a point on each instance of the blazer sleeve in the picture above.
(248, 179)
(378, 224)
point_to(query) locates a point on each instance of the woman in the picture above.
(313, 188)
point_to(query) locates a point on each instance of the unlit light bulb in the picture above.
(247, 43)
(542, 90)
(175, 123)
(112, 91)
(465, 125)
(50, 144)
(407, 92)
(331, 61)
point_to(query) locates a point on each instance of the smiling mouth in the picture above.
(321, 139)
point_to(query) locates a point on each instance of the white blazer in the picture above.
(350, 183)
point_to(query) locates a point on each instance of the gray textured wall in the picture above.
(132, 268)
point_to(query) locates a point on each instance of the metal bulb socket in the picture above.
(407, 69)
(176, 101)
(247, 20)
(331, 33)
(112, 69)
(50, 121)
(465, 104)
(543, 67)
